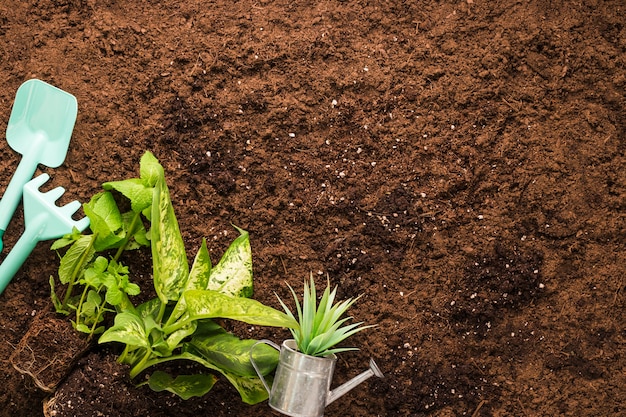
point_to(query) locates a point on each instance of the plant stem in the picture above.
(123, 355)
(136, 370)
(129, 235)
(161, 312)
(79, 308)
(171, 328)
(101, 311)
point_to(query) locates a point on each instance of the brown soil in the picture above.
(48, 350)
(460, 163)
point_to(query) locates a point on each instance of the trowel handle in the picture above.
(254, 365)
(24, 246)
(13, 193)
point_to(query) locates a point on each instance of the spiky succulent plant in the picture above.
(320, 327)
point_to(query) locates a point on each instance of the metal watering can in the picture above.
(301, 385)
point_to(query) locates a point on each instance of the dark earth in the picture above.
(461, 164)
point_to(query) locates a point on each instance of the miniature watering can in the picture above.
(301, 385)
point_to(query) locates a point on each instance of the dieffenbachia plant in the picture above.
(178, 323)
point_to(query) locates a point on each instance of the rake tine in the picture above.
(37, 182)
(70, 208)
(82, 224)
(54, 194)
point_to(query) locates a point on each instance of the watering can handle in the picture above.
(256, 368)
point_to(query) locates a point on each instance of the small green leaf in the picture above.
(105, 220)
(95, 275)
(185, 386)
(75, 259)
(128, 329)
(90, 309)
(97, 330)
(233, 274)
(134, 189)
(67, 239)
(58, 305)
(114, 295)
(100, 264)
(150, 170)
(129, 287)
(61, 243)
(139, 237)
(81, 327)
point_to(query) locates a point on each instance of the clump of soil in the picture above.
(48, 350)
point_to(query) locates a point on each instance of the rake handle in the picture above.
(12, 195)
(24, 246)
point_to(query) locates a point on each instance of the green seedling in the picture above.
(95, 281)
(319, 327)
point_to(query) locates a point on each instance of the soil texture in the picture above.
(461, 164)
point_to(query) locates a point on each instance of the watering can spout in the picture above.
(348, 386)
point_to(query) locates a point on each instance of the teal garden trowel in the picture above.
(40, 127)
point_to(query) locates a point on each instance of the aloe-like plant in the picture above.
(320, 327)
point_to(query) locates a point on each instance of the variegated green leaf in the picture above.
(185, 386)
(149, 308)
(233, 354)
(174, 339)
(148, 313)
(168, 249)
(201, 269)
(233, 274)
(204, 304)
(128, 329)
(250, 389)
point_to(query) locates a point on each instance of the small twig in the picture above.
(480, 404)
(409, 293)
(618, 294)
(478, 367)
(194, 66)
(523, 408)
